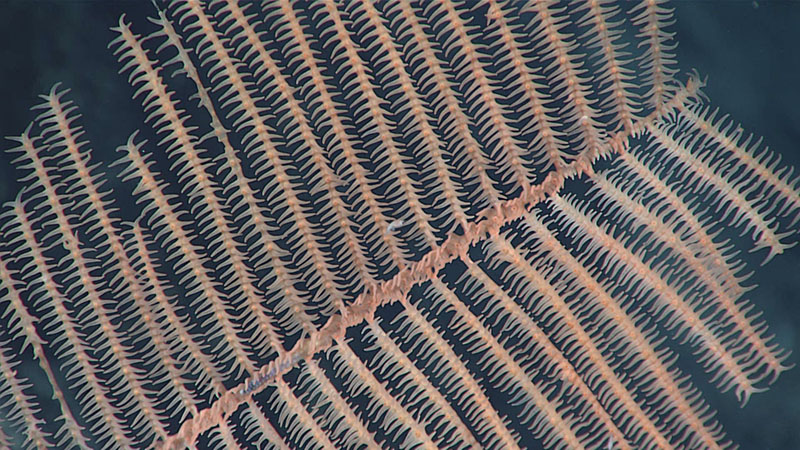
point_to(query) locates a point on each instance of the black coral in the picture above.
(391, 224)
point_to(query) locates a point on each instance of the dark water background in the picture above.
(750, 52)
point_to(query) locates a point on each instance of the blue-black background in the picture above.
(749, 50)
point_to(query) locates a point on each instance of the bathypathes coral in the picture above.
(391, 224)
